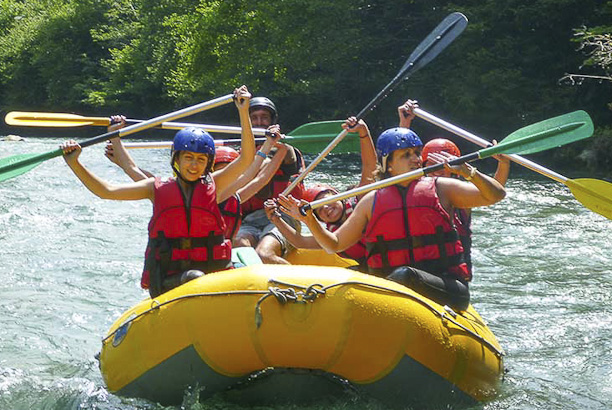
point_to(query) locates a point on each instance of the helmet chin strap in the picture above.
(384, 163)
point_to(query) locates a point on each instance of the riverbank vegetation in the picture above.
(518, 62)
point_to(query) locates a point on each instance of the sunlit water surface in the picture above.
(70, 265)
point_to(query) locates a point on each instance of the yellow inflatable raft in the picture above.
(226, 329)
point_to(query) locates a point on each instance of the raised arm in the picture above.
(368, 152)
(232, 172)
(406, 113)
(249, 175)
(116, 152)
(143, 189)
(503, 168)
(265, 174)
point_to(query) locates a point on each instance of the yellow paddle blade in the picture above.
(50, 119)
(594, 194)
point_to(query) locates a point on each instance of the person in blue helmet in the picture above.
(186, 231)
(407, 228)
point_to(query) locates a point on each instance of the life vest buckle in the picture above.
(185, 243)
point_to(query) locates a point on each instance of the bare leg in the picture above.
(245, 240)
(269, 250)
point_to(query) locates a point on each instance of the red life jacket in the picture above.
(409, 226)
(357, 251)
(231, 211)
(281, 180)
(184, 236)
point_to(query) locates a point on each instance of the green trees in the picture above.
(317, 59)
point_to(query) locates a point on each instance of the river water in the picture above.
(70, 264)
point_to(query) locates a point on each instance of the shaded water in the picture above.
(70, 264)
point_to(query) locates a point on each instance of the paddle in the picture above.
(308, 137)
(594, 194)
(541, 136)
(427, 50)
(313, 136)
(19, 164)
(50, 119)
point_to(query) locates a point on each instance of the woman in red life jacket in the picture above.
(186, 231)
(437, 151)
(335, 214)
(407, 227)
(259, 173)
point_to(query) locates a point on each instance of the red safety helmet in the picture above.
(313, 191)
(440, 145)
(225, 154)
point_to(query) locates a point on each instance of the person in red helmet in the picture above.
(444, 149)
(439, 145)
(437, 151)
(223, 157)
(186, 231)
(335, 214)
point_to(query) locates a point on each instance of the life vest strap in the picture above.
(413, 242)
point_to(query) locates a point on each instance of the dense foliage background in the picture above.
(317, 59)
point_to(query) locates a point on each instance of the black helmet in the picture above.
(265, 103)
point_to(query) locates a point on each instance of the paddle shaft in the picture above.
(537, 137)
(484, 143)
(408, 176)
(168, 144)
(433, 44)
(131, 129)
(593, 194)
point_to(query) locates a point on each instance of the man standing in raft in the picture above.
(186, 231)
(408, 227)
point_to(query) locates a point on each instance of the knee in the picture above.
(268, 250)
(243, 241)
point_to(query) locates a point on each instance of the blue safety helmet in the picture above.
(265, 103)
(194, 140)
(394, 139)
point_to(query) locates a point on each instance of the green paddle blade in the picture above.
(547, 134)
(594, 194)
(20, 164)
(314, 137)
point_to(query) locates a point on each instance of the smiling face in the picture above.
(330, 213)
(192, 165)
(260, 117)
(404, 160)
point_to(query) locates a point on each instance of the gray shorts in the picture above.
(258, 225)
